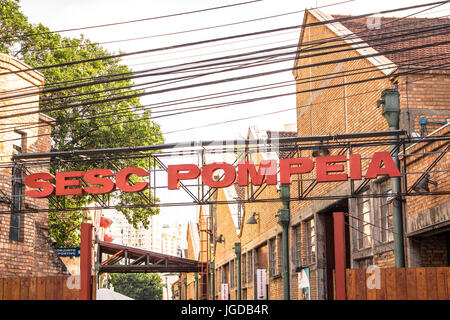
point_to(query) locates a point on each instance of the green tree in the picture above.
(139, 286)
(117, 123)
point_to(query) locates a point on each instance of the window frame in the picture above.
(251, 266)
(232, 274)
(297, 245)
(272, 255)
(384, 213)
(244, 268)
(364, 230)
(310, 241)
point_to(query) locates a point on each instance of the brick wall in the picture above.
(426, 211)
(223, 251)
(424, 95)
(353, 108)
(434, 250)
(32, 255)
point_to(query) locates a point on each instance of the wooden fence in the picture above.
(400, 284)
(38, 288)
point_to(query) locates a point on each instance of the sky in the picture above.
(65, 14)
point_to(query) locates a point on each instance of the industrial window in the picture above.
(279, 255)
(232, 280)
(251, 270)
(364, 230)
(16, 204)
(364, 263)
(244, 268)
(18, 142)
(310, 242)
(225, 270)
(297, 245)
(272, 257)
(218, 280)
(385, 214)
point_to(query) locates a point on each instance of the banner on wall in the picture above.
(224, 291)
(261, 284)
(303, 285)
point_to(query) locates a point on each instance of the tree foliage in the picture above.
(139, 286)
(117, 123)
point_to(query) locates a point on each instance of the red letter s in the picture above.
(32, 181)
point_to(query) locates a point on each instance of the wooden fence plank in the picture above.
(421, 284)
(351, 284)
(411, 284)
(15, 289)
(25, 288)
(448, 282)
(59, 288)
(40, 288)
(70, 294)
(371, 293)
(442, 291)
(66, 291)
(400, 284)
(32, 293)
(11, 289)
(381, 293)
(431, 277)
(50, 288)
(361, 286)
(7, 289)
(1, 288)
(390, 284)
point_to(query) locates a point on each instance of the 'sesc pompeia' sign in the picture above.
(328, 169)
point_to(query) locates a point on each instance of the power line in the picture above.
(284, 110)
(235, 78)
(241, 91)
(143, 71)
(129, 21)
(417, 31)
(198, 29)
(219, 39)
(261, 98)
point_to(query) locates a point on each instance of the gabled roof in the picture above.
(366, 40)
(403, 27)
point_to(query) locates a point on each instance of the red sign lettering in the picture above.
(175, 174)
(99, 181)
(265, 167)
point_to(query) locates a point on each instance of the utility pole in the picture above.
(196, 285)
(213, 280)
(237, 251)
(283, 220)
(391, 111)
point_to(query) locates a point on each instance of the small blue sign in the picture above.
(68, 252)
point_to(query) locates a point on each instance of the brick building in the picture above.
(339, 95)
(259, 242)
(348, 104)
(25, 248)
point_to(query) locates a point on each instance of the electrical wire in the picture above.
(129, 21)
(218, 39)
(235, 78)
(233, 92)
(22, 95)
(198, 29)
(256, 99)
(135, 72)
(143, 74)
